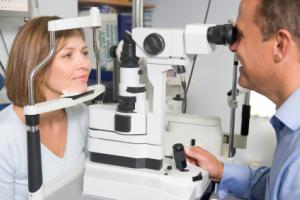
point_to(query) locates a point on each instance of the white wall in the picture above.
(212, 77)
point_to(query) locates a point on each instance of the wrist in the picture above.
(218, 173)
(221, 171)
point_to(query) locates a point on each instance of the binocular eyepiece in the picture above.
(222, 34)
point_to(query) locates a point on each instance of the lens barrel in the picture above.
(222, 34)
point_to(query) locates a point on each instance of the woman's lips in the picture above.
(83, 78)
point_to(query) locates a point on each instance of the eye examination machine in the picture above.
(131, 153)
(126, 141)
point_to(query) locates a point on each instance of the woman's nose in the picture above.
(84, 62)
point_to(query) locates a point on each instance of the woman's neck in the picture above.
(53, 129)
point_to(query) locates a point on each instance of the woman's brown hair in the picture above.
(30, 47)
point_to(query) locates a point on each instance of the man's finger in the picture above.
(194, 153)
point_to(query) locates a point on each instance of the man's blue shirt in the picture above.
(282, 181)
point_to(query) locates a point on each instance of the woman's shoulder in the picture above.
(12, 139)
(10, 124)
(7, 111)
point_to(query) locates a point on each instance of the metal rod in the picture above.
(247, 98)
(116, 79)
(231, 151)
(38, 67)
(3, 69)
(97, 56)
(137, 13)
(207, 11)
(4, 43)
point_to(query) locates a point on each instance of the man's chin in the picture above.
(243, 82)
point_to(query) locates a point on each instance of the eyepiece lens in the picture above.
(222, 34)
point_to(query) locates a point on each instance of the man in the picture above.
(269, 50)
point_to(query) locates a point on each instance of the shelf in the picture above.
(113, 3)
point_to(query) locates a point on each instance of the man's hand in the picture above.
(204, 159)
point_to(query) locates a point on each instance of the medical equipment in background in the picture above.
(125, 142)
(33, 110)
(19, 8)
(2, 77)
(15, 8)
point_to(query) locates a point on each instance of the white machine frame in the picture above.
(109, 178)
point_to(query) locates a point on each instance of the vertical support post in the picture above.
(137, 13)
(231, 151)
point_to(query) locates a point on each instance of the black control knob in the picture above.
(154, 44)
(113, 51)
(179, 156)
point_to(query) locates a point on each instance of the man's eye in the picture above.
(240, 35)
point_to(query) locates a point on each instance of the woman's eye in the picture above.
(68, 55)
(85, 53)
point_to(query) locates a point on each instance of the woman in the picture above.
(63, 132)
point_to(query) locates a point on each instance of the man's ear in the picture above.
(282, 44)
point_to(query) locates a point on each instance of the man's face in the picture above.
(254, 53)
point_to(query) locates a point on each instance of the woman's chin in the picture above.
(77, 90)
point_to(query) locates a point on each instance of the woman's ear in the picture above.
(282, 44)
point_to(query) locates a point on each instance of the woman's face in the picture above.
(69, 70)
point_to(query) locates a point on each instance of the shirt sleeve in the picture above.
(6, 173)
(289, 185)
(243, 182)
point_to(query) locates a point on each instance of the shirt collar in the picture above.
(277, 124)
(289, 112)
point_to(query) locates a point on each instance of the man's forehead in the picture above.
(247, 9)
(249, 5)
